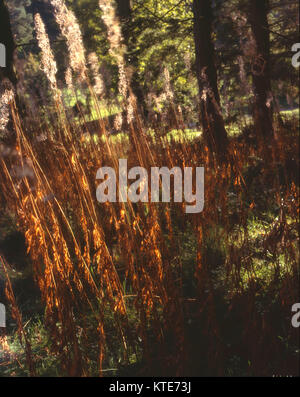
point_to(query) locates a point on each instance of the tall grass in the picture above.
(89, 257)
(180, 294)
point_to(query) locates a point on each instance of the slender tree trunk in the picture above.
(6, 38)
(124, 12)
(263, 113)
(211, 117)
(7, 74)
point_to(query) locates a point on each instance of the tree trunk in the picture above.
(263, 113)
(6, 38)
(124, 12)
(211, 117)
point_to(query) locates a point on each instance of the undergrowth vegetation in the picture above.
(144, 288)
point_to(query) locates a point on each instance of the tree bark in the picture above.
(261, 75)
(6, 38)
(211, 117)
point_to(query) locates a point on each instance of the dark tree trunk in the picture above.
(211, 117)
(263, 114)
(6, 38)
(124, 12)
